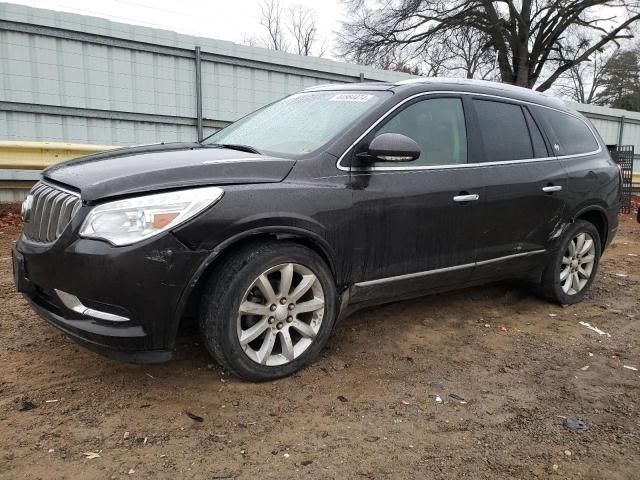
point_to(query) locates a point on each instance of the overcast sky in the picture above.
(232, 20)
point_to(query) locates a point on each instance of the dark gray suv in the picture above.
(330, 200)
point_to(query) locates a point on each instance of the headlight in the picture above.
(124, 222)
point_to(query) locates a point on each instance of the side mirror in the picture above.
(393, 147)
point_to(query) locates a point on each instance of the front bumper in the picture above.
(141, 285)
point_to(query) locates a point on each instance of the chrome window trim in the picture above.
(461, 165)
(408, 276)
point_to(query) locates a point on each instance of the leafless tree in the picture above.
(450, 54)
(303, 29)
(297, 31)
(398, 60)
(434, 59)
(470, 53)
(583, 82)
(271, 20)
(251, 40)
(529, 37)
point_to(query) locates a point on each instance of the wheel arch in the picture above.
(597, 216)
(285, 233)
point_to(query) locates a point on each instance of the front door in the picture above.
(415, 226)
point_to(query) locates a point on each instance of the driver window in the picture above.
(438, 126)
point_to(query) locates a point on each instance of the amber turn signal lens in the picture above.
(161, 220)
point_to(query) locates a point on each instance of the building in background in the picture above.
(95, 84)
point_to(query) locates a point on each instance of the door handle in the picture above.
(552, 188)
(466, 198)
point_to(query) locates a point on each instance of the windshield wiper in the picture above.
(232, 146)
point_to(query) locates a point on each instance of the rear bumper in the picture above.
(140, 287)
(612, 225)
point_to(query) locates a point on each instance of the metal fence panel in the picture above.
(72, 78)
(623, 156)
(74, 66)
(57, 128)
(608, 129)
(45, 71)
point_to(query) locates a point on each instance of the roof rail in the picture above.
(470, 81)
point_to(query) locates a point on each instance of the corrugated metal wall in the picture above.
(86, 80)
(72, 78)
(617, 127)
(73, 129)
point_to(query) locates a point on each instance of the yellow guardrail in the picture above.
(40, 155)
(36, 156)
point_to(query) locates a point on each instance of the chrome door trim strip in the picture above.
(409, 276)
(509, 257)
(462, 165)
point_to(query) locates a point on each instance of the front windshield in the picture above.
(299, 124)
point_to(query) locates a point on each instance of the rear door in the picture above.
(525, 188)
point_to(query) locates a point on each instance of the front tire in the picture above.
(268, 310)
(570, 272)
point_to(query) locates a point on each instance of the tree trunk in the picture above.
(523, 66)
(506, 75)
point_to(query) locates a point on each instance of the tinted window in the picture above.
(504, 131)
(438, 126)
(539, 147)
(572, 133)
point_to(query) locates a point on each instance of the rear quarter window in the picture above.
(572, 133)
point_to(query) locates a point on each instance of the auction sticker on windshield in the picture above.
(351, 97)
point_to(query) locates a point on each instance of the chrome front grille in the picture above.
(50, 212)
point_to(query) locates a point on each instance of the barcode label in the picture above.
(351, 97)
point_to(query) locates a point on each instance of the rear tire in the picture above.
(570, 272)
(268, 310)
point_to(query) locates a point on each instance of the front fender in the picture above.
(274, 231)
(277, 231)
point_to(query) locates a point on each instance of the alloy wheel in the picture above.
(578, 263)
(280, 314)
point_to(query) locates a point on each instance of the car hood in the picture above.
(126, 171)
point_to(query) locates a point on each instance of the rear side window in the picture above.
(504, 131)
(573, 135)
(438, 126)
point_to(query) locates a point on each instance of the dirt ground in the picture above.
(367, 408)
